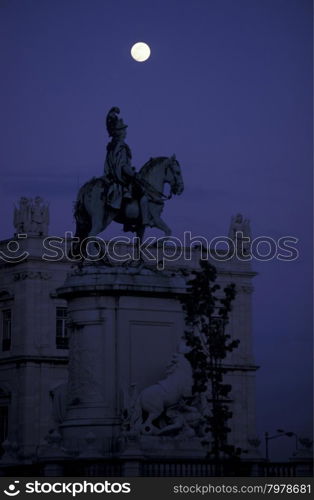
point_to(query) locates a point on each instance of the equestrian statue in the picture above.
(134, 199)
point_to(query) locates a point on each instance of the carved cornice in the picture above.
(25, 359)
(32, 275)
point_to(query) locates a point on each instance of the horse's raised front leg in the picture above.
(155, 212)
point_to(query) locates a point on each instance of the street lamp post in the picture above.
(280, 433)
(290, 434)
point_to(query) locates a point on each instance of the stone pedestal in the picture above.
(125, 325)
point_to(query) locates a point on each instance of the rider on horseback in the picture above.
(118, 171)
(123, 195)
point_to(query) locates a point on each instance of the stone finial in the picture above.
(239, 231)
(31, 217)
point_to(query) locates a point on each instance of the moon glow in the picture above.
(140, 51)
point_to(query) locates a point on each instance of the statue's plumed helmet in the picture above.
(113, 122)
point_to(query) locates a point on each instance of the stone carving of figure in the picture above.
(167, 395)
(39, 217)
(31, 217)
(118, 171)
(238, 230)
(22, 215)
(184, 420)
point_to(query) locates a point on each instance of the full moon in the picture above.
(140, 51)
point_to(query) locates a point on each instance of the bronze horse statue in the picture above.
(93, 215)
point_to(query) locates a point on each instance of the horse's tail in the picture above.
(82, 218)
(83, 222)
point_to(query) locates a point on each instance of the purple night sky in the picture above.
(228, 88)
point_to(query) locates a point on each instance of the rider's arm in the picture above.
(129, 170)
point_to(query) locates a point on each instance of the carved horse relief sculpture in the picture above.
(166, 395)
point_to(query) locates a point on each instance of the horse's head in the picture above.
(160, 170)
(174, 176)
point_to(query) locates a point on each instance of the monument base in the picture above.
(125, 325)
